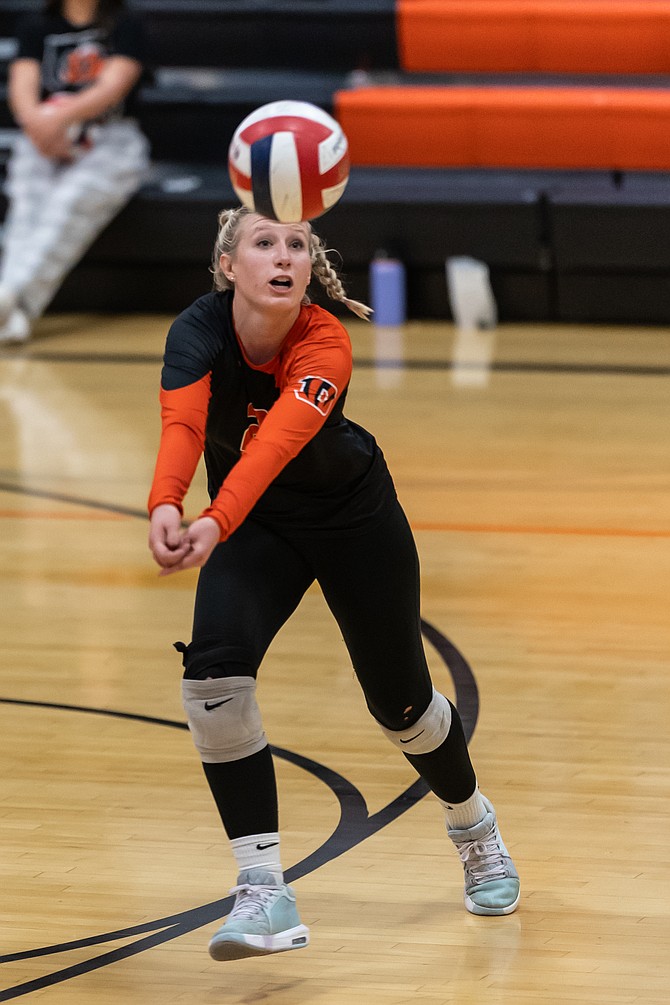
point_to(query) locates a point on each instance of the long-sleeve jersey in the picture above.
(274, 437)
(72, 56)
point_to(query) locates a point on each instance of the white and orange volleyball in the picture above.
(289, 160)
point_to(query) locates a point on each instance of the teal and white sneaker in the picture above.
(491, 881)
(263, 920)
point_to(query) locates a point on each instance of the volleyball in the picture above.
(289, 160)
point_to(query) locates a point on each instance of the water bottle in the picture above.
(388, 290)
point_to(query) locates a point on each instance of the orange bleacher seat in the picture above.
(518, 127)
(551, 36)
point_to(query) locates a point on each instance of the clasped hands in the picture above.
(175, 547)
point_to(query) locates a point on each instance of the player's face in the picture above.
(271, 264)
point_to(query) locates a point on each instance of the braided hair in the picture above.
(228, 238)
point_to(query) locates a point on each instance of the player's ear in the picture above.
(226, 266)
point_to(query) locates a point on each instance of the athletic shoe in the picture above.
(264, 920)
(7, 303)
(16, 329)
(491, 881)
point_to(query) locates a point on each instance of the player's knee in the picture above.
(224, 718)
(428, 732)
(215, 657)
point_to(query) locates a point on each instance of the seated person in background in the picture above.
(79, 157)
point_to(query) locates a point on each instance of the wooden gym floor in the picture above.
(533, 464)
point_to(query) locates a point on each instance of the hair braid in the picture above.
(325, 272)
(226, 242)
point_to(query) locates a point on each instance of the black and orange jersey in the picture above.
(72, 56)
(274, 436)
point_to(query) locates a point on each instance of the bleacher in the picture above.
(531, 134)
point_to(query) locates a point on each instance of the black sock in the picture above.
(245, 793)
(448, 769)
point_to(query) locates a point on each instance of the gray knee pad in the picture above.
(224, 718)
(428, 732)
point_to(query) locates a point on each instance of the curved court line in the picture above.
(355, 826)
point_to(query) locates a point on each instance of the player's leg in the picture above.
(82, 199)
(247, 590)
(373, 591)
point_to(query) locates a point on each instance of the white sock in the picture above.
(459, 816)
(258, 851)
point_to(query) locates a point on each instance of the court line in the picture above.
(37, 514)
(521, 366)
(92, 504)
(116, 512)
(502, 528)
(498, 366)
(355, 826)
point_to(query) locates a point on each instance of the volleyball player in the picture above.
(255, 376)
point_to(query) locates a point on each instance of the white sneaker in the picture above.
(7, 303)
(17, 328)
(264, 920)
(491, 881)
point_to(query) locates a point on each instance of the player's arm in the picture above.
(183, 421)
(314, 380)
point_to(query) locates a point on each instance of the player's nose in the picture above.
(282, 253)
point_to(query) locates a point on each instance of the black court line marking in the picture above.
(496, 366)
(355, 826)
(522, 366)
(21, 490)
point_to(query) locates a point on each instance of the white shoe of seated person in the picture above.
(16, 329)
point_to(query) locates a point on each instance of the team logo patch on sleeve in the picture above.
(317, 392)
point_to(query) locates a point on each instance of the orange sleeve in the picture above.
(184, 418)
(311, 380)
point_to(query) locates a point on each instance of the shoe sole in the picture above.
(490, 912)
(234, 946)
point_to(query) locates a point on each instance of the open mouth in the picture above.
(282, 284)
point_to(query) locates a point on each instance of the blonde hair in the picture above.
(227, 240)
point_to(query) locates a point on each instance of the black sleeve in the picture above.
(193, 343)
(129, 38)
(30, 36)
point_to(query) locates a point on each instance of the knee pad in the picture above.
(428, 732)
(224, 718)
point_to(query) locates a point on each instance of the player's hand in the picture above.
(167, 536)
(201, 539)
